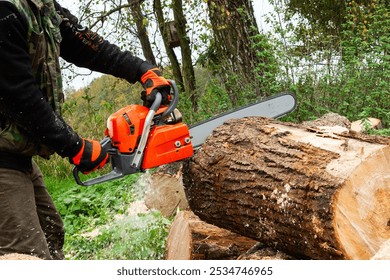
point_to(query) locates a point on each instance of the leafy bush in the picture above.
(348, 75)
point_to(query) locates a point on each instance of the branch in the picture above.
(135, 2)
(108, 13)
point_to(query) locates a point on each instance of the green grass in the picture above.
(85, 209)
(140, 237)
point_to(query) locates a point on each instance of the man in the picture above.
(33, 33)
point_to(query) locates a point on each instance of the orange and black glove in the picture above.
(90, 157)
(153, 82)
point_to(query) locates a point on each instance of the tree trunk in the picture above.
(311, 193)
(234, 31)
(142, 33)
(192, 239)
(171, 54)
(188, 69)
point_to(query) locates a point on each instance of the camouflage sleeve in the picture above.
(21, 100)
(88, 49)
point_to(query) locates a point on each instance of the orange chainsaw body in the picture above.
(166, 143)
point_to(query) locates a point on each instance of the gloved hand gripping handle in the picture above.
(115, 173)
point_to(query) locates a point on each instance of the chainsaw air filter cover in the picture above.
(124, 127)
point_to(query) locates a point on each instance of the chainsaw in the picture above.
(138, 138)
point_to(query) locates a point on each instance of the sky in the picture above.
(261, 8)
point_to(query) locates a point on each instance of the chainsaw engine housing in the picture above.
(167, 142)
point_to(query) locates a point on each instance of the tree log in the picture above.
(192, 239)
(305, 191)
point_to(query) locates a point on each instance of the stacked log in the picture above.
(192, 239)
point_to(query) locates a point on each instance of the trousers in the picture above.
(29, 221)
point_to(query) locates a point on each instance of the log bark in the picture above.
(309, 192)
(192, 239)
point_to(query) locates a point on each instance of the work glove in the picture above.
(153, 82)
(90, 157)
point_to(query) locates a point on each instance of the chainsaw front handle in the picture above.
(173, 104)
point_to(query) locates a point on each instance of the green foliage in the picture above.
(140, 237)
(268, 67)
(87, 110)
(95, 209)
(351, 77)
(323, 16)
(55, 167)
(95, 204)
(214, 100)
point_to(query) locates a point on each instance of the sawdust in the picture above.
(135, 208)
(15, 256)
(329, 119)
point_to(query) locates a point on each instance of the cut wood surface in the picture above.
(384, 252)
(192, 239)
(309, 192)
(165, 192)
(265, 253)
(362, 125)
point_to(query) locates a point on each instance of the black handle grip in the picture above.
(114, 174)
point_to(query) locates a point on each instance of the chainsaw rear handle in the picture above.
(120, 164)
(114, 174)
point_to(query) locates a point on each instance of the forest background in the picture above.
(333, 55)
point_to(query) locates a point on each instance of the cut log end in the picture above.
(362, 210)
(165, 192)
(384, 252)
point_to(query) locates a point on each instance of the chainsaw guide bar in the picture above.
(274, 107)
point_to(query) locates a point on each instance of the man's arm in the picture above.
(85, 48)
(20, 97)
